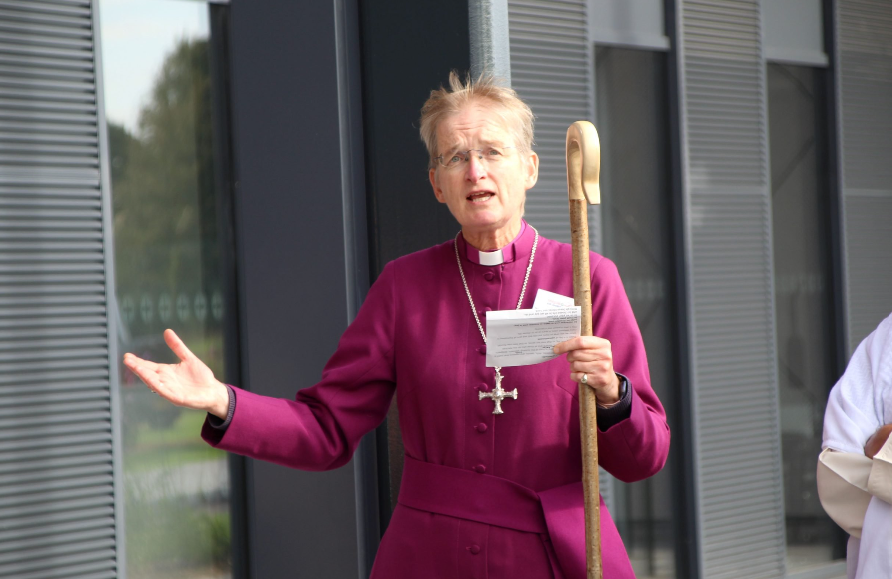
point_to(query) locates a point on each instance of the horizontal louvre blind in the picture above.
(56, 482)
(551, 69)
(865, 91)
(740, 506)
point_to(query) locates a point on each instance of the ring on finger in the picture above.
(584, 379)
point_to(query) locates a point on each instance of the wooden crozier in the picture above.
(583, 166)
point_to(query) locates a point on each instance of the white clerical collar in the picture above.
(491, 257)
(497, 257)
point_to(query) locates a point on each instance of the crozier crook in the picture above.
(583, 167)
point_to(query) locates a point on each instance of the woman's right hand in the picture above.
(190, 383)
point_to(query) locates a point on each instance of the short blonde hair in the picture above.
(443, 102)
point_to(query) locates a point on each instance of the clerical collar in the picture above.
(499, 256)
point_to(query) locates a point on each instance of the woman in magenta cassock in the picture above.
(483, 495)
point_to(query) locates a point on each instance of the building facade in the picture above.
(242, 171)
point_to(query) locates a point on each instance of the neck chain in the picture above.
(498, 394)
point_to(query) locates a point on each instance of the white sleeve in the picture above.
(861, 401)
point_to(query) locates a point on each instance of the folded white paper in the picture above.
(546, 299)
(523, 337)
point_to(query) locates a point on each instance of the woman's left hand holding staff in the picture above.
(190, 383)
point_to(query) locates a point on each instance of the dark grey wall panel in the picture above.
(292, 266)
(408, 49)
(864, 61)
(730, 301)
(57, 479)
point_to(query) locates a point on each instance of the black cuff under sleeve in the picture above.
(219, 423)
(608, 417)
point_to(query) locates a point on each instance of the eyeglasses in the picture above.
(489, 155)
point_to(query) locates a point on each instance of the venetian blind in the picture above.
(865, 91)
(57, 492)
(728, 237)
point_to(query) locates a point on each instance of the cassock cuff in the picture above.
(612, 415)
(218, 423)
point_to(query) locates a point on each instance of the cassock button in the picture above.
(482, 349)
(480, 469)
(481, 428)
(488, 276)
(483, 387)
(474, 549)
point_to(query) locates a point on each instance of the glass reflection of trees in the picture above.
(168, 274)
(164, 204)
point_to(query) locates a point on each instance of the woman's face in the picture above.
(485, 196)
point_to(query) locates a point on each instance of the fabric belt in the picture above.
(495, 501)
(466, 494)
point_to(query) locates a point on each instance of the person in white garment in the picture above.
(855, 466)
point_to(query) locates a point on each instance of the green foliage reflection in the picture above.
(163, 183)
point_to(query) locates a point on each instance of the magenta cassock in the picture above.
(415, 336)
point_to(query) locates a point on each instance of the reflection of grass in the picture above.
(166, 538)
(172, 537)
(179, 444)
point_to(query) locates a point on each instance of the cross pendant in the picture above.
(497, 395)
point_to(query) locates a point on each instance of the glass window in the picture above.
(637, 227)
(158, 103)
(804, 304)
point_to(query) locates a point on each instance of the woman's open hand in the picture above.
(593, 357)
(190, 383)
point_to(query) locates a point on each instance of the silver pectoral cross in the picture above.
(497, 395)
